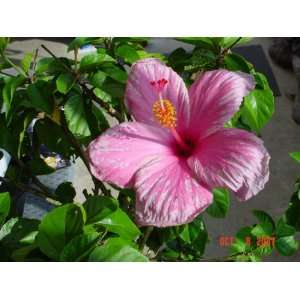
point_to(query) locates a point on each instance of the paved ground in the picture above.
(281, 136)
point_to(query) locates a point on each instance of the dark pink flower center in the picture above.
(184, 148)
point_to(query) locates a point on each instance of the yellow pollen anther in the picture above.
(165, 113)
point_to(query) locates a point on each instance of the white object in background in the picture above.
(87, 49)
(4, 162)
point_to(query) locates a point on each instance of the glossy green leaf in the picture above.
(64, 83)
(4, 207)
(57, 228)
(102, 95)
(117, 250)
(286, 246)
(221, 203)
(99, 207)
(76, 117)
(235, 62)
(258, 108)
(65, 192)
(128, 53)
(97, 79)
(116, 73)
(80, 247)
(266, 224)
(94, 61)
(118, 222)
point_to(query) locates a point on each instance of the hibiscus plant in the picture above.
(166, 138)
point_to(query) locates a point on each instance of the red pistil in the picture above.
(159, 84)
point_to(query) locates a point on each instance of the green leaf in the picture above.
(65, 192)
(239, 245)
(18, 232)
(20, 254)
(4, 207)
(286, 246)
(3, 44)
(39, 97)
(195, 235)
(80, 247)
(261, 81)
(235, 62)
(258, 108)
(11, 85)
(295, 156)
(57, 228)
(99, 207)
(102, 95)
(116, 73)
(221, 203)
(292, 214)
(76, 117)
(118, 222)
(128, 53)
(97, 79)
(226, 42)
(7, 139)
(94, 61)
(39, 167)
(64, 83)
(283, 229)
(83, 41)
(51, 65)
(26, 62)
(53, 137)
(204, 42)
(266, 224)
(117, 250)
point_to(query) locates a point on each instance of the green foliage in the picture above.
(76, 117)
(4, 207)
(295, 156)
(117, 249)
(220, 205)
(65, 192)
(58, 227)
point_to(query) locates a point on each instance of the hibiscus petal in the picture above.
(140, 94)
(119, 152)
(232, 158)
(167, 194)
(214, 98)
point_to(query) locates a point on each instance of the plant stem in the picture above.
(18, 69)
(234, 43)
(144, 240)
(82, 155)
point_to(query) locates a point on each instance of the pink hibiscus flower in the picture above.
(177, 149)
